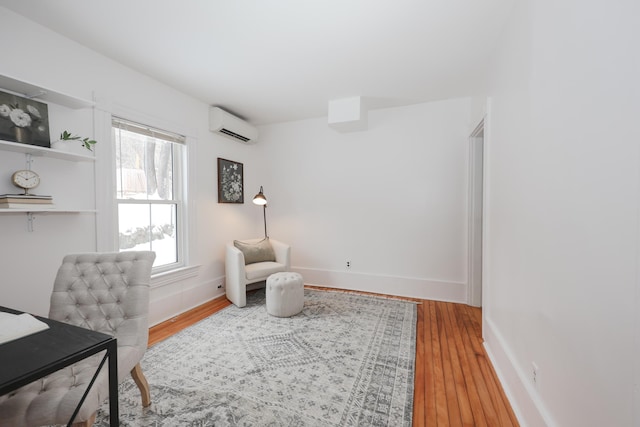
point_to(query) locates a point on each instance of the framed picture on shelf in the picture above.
(230, 181)
(24, 120)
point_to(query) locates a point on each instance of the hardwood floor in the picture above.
(455, 384)
(172, 326)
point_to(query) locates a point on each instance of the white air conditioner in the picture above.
(231, 126)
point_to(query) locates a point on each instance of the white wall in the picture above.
(562, 202)
(390, 199)
(562, 208)
(29, 260)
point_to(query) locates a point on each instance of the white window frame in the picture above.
(179, 192)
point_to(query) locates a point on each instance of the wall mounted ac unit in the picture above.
(231, 126)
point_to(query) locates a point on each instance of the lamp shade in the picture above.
(260, 199)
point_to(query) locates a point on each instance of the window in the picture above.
(149, 191)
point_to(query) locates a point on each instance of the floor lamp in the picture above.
(260, 199)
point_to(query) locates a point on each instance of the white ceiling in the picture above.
(281, 60)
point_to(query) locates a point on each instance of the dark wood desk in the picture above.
(29, 358)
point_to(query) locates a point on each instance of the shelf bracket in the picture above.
(29, 160)
(38, 94)
(30, 218)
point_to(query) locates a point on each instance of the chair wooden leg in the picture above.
(142, 384)
(88, 423)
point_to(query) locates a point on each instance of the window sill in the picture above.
(173, 276)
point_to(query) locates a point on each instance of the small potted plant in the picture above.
(68, 136)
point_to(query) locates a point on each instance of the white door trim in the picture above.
(475, 203)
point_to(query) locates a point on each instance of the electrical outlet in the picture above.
(220, 285)
(348, 264)
(535, 375)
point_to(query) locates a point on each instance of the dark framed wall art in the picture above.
(230, 181)
(24, 120)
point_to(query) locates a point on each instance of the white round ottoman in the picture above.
(285, 294)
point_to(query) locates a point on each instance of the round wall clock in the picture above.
(25, 179)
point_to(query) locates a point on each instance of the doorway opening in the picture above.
(476, 190)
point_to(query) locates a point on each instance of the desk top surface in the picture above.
(31, 357)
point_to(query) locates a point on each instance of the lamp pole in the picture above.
(260, 199)
(264, 214)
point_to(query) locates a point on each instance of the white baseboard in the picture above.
(173, 299)
(388, 285)
(524, 399)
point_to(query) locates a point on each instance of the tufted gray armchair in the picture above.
(105, 292)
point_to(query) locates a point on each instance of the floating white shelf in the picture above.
(40, 210)
(31, 213)
(31, 90)
(35, 150)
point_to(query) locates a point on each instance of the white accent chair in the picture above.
(105, 292)
(239, 275)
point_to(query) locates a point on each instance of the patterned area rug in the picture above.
(345, 360)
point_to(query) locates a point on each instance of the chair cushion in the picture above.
(52, 399)
(262, 270)
(256, 252)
